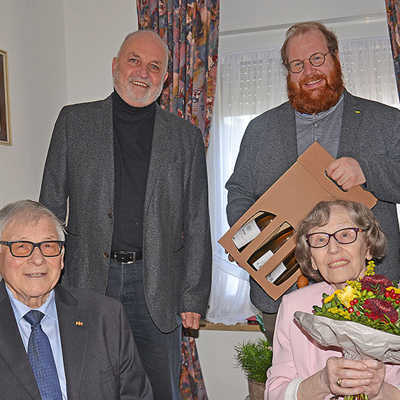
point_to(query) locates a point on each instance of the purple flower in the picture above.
(375, 283)
(379, 309)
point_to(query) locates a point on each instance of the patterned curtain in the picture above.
(190, 28)
(191, 382)
(393, 17)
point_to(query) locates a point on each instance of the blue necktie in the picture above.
(41, 359)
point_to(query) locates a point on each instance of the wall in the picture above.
(266, 27)
(223, 378)
(59, 52)
(32, 33)
(242, 15)
(94, 30)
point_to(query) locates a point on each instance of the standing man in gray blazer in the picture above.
(362, 135)
(133, 179)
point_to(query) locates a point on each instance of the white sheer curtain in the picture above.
(249, 83)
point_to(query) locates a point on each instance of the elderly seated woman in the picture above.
(334, 243)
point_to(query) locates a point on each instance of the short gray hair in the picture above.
(152, 33)
(362, 217)
(31, 211)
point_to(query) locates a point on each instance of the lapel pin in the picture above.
(78, 323)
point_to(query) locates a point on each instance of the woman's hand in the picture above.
(343, 377)
(339, 377)
(349, 377)
(375, 388)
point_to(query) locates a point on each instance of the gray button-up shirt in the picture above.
(323, 127)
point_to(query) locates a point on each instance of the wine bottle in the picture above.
(286, 268)
(251, 229)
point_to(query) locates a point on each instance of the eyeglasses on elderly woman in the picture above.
(343, 236)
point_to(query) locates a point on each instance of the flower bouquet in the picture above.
(372, 301)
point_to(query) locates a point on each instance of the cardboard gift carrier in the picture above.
(269, 254)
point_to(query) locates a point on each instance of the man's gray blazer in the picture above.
(176, 232)
(101, 361)
(370, 133)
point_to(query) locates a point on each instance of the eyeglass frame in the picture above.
(309, 60)
(60, 243)
(356, 230)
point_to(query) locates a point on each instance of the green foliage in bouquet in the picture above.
(373, 301)
(255, 358)
(356, 397)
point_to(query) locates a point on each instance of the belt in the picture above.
(127, 257)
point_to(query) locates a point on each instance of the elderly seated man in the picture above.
(56, 343)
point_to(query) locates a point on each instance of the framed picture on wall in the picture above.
(5, 137)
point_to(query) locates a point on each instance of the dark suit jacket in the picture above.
(101, 361)
(370, 133)
(176, 232)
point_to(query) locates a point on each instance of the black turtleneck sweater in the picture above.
(133, 134)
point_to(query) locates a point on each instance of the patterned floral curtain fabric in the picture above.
(190, 28)
(393, 17)
(191, 383)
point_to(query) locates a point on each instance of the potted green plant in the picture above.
(255, 358)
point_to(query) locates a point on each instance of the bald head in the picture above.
(146, 34)
(140, 68)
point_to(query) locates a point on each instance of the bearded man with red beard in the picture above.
(312, 101)
(362, 135)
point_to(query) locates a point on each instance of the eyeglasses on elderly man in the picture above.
(24, 248)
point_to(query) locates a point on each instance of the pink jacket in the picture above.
(295, 356)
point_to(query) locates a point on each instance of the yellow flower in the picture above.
(330, 298)
(370, 268)
(396, 290)
(346, 315)
(347, 295)
(333, 310)
(351, 291)
(356, 285)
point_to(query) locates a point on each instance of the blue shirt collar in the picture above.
(48, 308)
